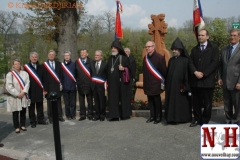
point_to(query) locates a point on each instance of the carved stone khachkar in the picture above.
(158, 29)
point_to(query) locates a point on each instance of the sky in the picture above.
(136, 13)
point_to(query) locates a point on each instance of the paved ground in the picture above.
(87, 140)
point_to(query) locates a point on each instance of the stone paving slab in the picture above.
(129, 139)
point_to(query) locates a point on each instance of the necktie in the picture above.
(52, 66)
(97, 67)
(230, 52)
(35, 66)
(202, 47)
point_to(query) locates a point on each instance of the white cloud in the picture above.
(132, 9)
(173, 23)
(143, 23)
(95, 7)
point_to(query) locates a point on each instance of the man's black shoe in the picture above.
(82, 118)
(33, 125)
(113, 119)
(151, 119)
(95, 119)
(102, 119)
(158, 120)
(61, 119)
(236, 122)
(229, 122)
(43, 123)
(125, 118)
(194, 124)
(1, 145)
(90, 118)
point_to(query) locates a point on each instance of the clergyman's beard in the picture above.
(114, 53)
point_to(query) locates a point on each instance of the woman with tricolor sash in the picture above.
(17, 84)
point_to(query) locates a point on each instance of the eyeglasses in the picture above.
(148, 46)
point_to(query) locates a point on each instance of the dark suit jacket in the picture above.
(229, 70)
(102, 73)
(83, 81)
(50, 84)
(35, 91)
(151, 85)
(207, 62)
(132, 62)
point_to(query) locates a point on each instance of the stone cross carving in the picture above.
(158, 29)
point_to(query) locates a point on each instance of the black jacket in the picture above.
(102, 73)
(35, 91)
(207, 62)
(49, 83)
(83, 81)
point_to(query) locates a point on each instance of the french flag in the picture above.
(198, 22)
(118, 25)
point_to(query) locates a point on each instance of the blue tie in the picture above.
(230, 52)
(202, 47)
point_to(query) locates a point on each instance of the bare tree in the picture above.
(8, 24)
(57, 24)
(108, 19)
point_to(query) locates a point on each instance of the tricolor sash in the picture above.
(52, 72)
(20, 81)
(153, 70)
(100, 81)
(33, 74)
(84, 68)
(69, 73)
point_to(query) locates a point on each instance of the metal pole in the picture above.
(56, 130)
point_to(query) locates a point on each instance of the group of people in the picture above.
(191, 79)
(92, 79)
(188, 80)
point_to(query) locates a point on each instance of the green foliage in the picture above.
(218, 32)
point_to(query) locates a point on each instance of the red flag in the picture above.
(198, 22)
(118, 26)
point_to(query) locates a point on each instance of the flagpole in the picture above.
(198, 22)
(118, 25)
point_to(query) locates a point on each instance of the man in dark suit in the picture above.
(229, 77)
(53, 83)
(99, 74)
(84, 84)
(152, 84)
(69, 86)
(35, 71)
(132, 66)
(203, 64)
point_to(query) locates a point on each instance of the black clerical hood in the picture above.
(177, 44)
(117, 44)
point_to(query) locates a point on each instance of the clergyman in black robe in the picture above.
(177, 100)
(119, 97)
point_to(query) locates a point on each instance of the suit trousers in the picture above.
(100, 103)
(15, 116)
(155, 106)
(32, 115)
(231, 100)
(83, 107)
(50, 108)
(202, 98)
(69, 98)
